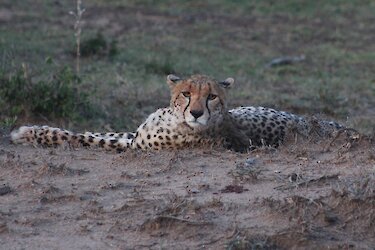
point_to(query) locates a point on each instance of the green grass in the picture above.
(218, 38)
(243, 7)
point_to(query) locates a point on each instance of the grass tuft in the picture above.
(98, 46)
(56, 97)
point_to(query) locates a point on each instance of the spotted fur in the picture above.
(197, 113)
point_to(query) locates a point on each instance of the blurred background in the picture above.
(307, 57)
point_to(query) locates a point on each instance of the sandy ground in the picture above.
(303, 195)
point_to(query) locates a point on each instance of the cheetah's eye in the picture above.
(186, 94)
(211, 97)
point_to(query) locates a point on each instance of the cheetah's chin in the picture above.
(196, 125)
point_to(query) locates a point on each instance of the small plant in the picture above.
(159, 67)
(94, 46)
(8, 122)
(78, 30)
(98, 46)
(56, 97)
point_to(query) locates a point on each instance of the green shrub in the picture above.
(98, 46)
(156, 67)
(56, 97)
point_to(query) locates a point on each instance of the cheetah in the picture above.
(197, 113)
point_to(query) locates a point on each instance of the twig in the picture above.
(161, 218)
(78, 30)
(357, 136)
(307, 182)
(190, 222)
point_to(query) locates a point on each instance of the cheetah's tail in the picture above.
(49, 136)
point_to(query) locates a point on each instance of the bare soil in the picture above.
(303, 195)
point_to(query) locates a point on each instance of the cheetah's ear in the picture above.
(227, 83)
(172, 80)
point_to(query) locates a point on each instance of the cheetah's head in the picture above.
(200, 99)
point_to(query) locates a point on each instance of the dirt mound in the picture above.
(302, 195)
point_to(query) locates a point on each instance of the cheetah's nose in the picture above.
(196, 113)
